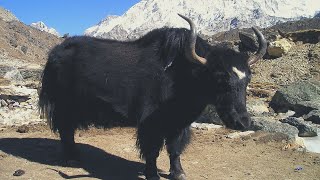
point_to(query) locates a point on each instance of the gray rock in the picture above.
(301, 97)
(24, 49)
(23, 129)
(273, 126)
(18, 92)
(285, 115)
(15, 104)
(14, 76)
(313, 116)
(31, 72)
(3, 103)
(305, 129)
(4, 70)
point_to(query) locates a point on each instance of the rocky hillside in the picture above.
(7, 15)
(210, 16)
(19, 41)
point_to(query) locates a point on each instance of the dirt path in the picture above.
(111, 155)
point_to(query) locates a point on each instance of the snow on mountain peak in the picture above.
(42, 27)
(210, 16)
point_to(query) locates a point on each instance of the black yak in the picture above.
(160, 83)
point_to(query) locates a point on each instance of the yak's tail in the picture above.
(54, 87)
(47, 93)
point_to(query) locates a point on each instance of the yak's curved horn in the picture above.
(262, 47)
(191, 48)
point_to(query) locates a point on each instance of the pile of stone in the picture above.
(18, 95)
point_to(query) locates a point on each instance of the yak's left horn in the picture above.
(191, 48)
(262, 47)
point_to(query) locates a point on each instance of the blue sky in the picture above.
(66, 16)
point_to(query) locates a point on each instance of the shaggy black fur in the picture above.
(148, 82)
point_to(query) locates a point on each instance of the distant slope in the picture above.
(21, 43)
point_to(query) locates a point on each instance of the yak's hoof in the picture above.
(181, 176)
(152, 175)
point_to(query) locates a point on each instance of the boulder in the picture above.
(14, 76)
(285, 115)
(279, 47)
(301, 97)
(31, 72)
(305, 129)
(313, 116)
(270, 125)
(21, 72)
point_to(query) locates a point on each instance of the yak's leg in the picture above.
(62, 120)
(150, 141)
(176, 143)
(68, 143)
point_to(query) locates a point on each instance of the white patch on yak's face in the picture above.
(239, 73)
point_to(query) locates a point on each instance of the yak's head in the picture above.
(225, 75)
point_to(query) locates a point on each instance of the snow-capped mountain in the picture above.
(210, 16)
(42, 27)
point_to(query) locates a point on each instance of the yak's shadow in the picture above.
(95, 161)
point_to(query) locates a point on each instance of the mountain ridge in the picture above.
(43, 27)
(210, 16)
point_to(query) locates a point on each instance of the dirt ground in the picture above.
(111, 155)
